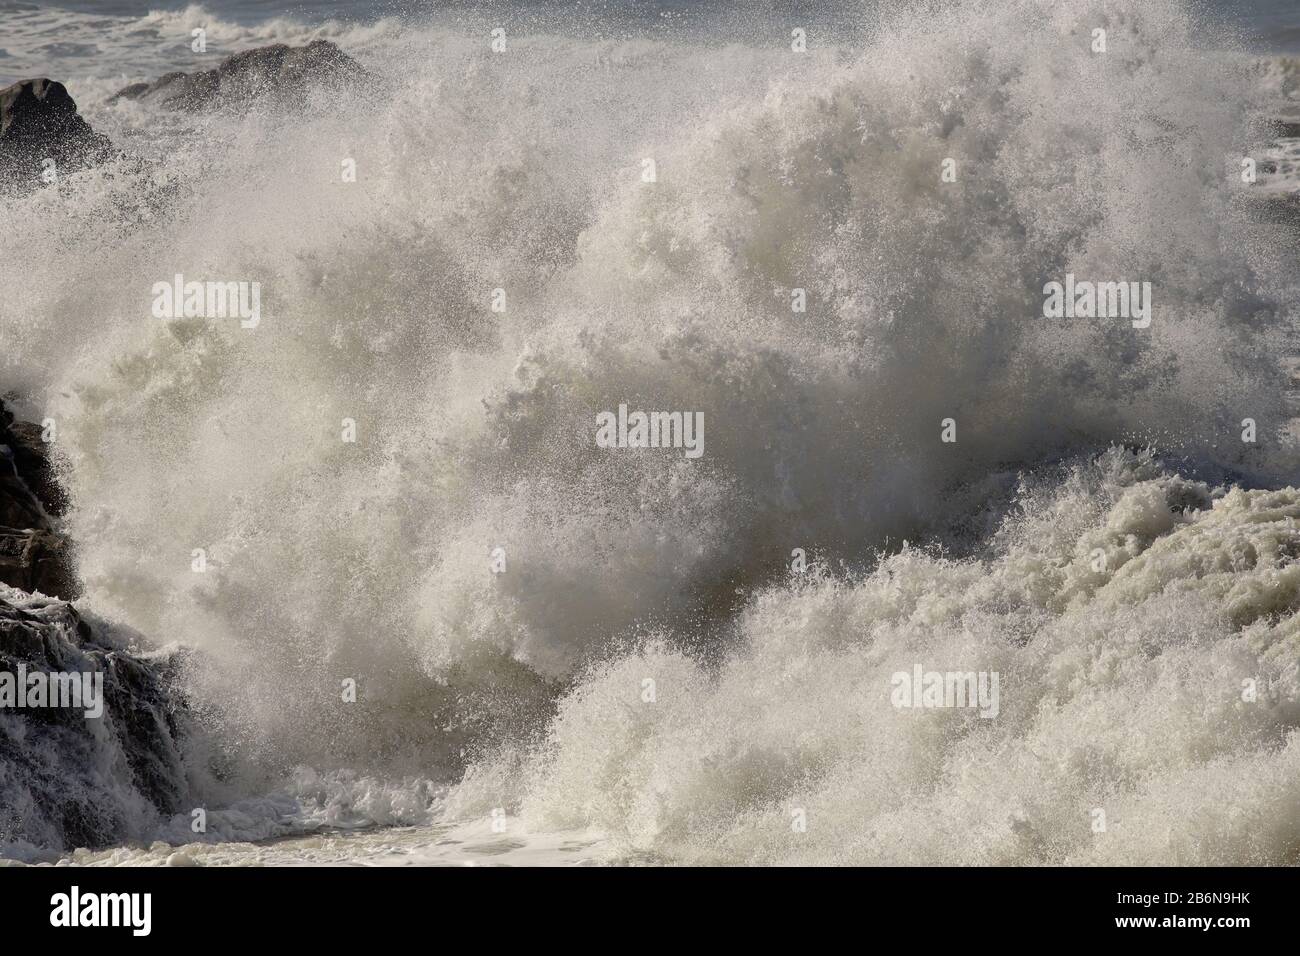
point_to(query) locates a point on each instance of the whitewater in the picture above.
(653, 677)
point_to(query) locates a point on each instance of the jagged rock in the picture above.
(33, 561)
(19, 508)
(68, 780)
(31, 460)
(279, 72)
(34, 556)
(39, 122)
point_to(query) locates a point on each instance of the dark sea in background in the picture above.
(79, 39)
(1272, 25)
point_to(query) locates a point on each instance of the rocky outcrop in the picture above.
(31, 460)
(37, 561)
(34, 555)
(40, 126)
(68, 780)
(71, 780)
(41, 132)
(278, 74)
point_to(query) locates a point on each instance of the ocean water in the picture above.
(570, 654)
(72, 39)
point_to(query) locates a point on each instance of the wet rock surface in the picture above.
(69, 780)
(35, 556)
(41, 133)
(279, 74)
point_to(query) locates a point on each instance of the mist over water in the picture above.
(371, 561)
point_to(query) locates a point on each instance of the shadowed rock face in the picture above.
(31, 460)
(34, 555)
(279, 74)
(39, 123)
(33, 561)
(70, 781)
(67, 781)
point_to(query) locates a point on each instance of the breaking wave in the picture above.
(370, 561)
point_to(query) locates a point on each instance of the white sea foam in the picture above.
(476, 171)
(1122, 691)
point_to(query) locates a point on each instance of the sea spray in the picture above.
(1133, 696)
(824, 171)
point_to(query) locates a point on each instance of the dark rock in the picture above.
(19, 508)
(31, 460)
(278, 73)
(67, 780)
(33, 560)
(1282, 129)
(39, 122)
(34, 556)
